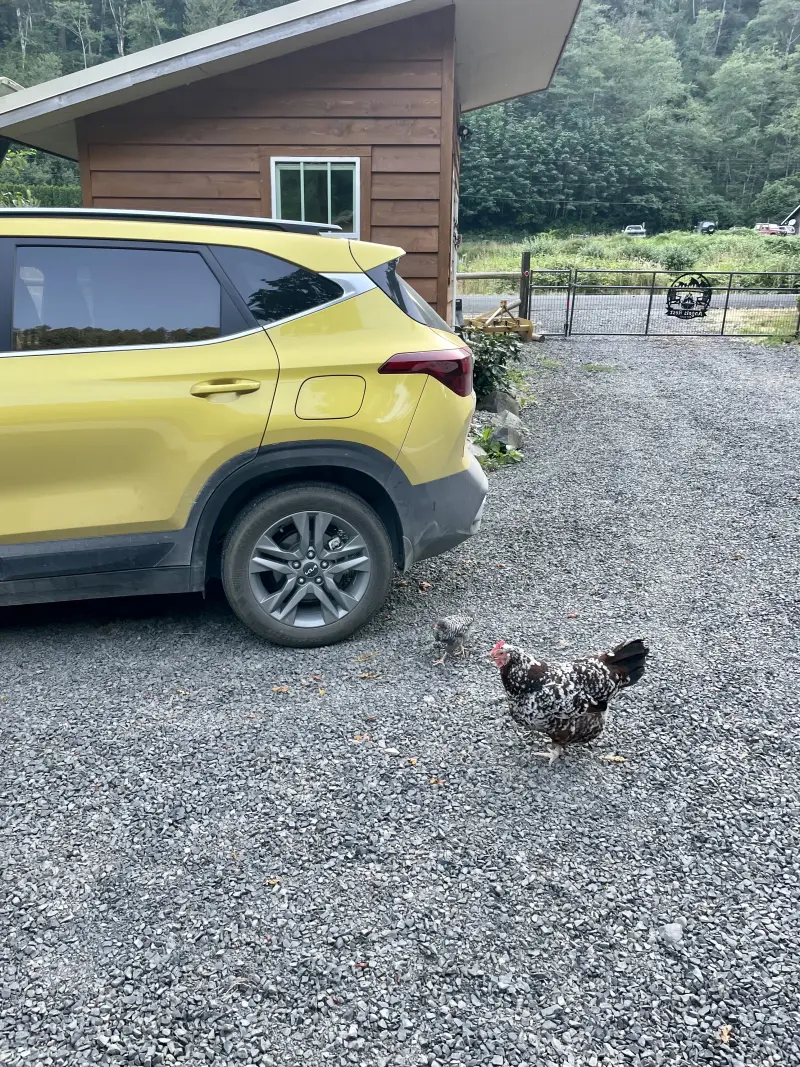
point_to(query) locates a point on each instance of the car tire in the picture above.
(287, 543)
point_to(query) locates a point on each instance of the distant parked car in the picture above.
(635, 231)
(769, 229)
(706, 227)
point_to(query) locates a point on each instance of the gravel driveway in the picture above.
(372, 868)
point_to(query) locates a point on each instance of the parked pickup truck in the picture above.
(635, 231)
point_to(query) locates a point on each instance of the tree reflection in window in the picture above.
(272, 288)
(89, 296)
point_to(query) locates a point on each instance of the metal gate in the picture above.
(693, 303)
(653, 303)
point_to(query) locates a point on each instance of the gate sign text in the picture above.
(689, 297)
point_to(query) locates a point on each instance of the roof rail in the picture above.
(134, 215)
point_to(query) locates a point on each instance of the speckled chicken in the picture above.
(567, 701)
(451, 635)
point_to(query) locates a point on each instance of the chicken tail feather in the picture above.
(627, 661)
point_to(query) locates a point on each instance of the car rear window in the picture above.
(272, 288)
(92, 297)
(406, 298)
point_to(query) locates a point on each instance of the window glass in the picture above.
(272, 288)
(315, 184)
(78, 297)
(317, 191)
(406, 298)
(343, 195)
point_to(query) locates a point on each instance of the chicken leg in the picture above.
(555, 752)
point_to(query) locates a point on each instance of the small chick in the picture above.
(451, 634)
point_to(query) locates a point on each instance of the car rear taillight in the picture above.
(452, 367)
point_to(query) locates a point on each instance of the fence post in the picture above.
(569, 303)
(650, 305)
(573, 277)
(727, 301)
(525, 287)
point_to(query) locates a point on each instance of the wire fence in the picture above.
(642, 303)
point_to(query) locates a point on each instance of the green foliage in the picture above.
(497, 454)
(677, 257)
(777, 199)
(726, 250)
(42, 39)
(26, 166)
(41, 195)
(21, 198)
(203, 14)
(666, 113)
(493, 354)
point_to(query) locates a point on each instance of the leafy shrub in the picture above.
(497, 454)
(18, 198)
(493, 352)
(41, 195)
(677, 257)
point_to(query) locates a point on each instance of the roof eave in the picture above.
(28, 116)
(502, 53)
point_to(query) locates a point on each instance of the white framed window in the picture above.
(318, 189)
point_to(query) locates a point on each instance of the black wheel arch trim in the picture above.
(422, 520)
(358, 467)
(188, 549)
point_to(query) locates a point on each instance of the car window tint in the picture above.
(407, 299)
(272, 288)
(90, 297)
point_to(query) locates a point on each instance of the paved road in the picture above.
(373, 868)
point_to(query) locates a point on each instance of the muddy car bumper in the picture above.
(437, 516)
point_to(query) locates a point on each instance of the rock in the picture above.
(475, 450)
(499, 400)
(672, 933)
(507, 430)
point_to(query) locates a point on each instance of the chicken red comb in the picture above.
(498, 646)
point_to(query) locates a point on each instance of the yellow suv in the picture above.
(184, 397)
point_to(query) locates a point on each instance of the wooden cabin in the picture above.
(344, 111)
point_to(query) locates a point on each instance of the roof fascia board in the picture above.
(173, 67)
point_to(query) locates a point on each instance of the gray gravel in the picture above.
(199, 870)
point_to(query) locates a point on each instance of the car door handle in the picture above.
(225, 385)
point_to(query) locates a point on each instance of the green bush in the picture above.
(44, 195)
(493, 353)
(497, 454)
(24, 198)
(677, 257)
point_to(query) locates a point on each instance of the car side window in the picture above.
(272, 288)
(75, 296)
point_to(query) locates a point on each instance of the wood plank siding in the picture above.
(386, 96)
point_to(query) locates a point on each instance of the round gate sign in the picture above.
(689, 297)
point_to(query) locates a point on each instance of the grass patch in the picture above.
(548, 363)
(520, 386)
(599, 367)
(676, 252)
(780, 324)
